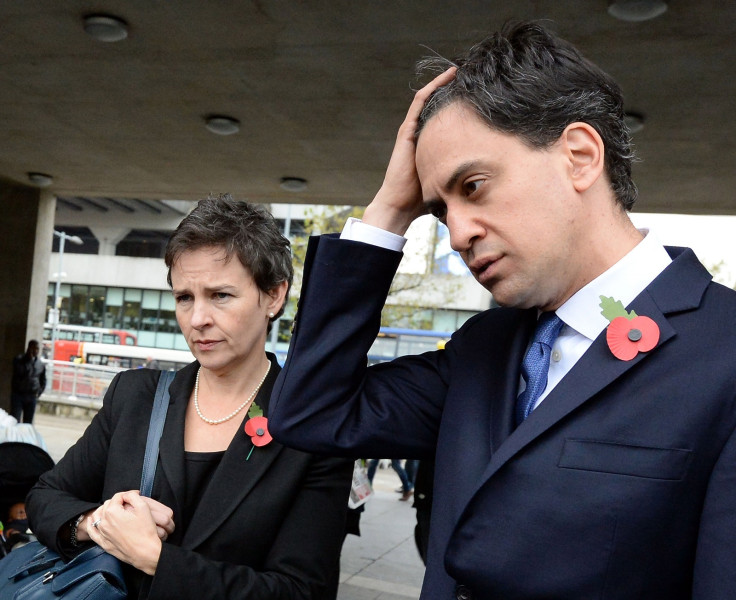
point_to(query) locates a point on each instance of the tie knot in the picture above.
(548, 328)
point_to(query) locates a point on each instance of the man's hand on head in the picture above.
(399, 201)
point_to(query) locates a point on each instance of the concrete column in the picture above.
(26, 231)
(42, 256)
(108, 238)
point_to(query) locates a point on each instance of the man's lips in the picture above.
(483, 269)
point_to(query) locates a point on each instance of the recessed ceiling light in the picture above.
(634, 121)
(40, 179)
(637, 10)
(293, 184)
(106, 28)
(222, 125)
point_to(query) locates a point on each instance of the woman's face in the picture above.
(221, 312)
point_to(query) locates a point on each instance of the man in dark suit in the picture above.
(583, 432)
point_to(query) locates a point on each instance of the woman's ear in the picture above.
(585, 152)
(276, 297)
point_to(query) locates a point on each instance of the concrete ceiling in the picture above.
(320, 87)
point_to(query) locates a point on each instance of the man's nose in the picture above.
(463, 227)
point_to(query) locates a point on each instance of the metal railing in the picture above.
(75, 384)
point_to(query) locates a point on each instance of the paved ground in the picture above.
(381, 564)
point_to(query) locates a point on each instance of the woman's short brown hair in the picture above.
(247, 231)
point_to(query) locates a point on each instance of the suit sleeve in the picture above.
(303, 560)
(714, 577)
(75, 484)
(326, 399)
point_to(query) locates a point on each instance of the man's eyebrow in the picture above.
(459, 172)
(431, 203)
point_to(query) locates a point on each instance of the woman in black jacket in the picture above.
(232, 514)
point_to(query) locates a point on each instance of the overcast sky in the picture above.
(713, 238)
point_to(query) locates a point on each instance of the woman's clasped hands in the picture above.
(132, 528)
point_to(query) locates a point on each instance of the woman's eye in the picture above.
(222, 295)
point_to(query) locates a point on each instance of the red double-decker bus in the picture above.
(133, 357)
(69, 337)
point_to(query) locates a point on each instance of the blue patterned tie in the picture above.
(535, 366)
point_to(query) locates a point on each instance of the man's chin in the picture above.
(509, 298)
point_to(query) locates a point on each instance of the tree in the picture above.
(719, 273)
(414, 291)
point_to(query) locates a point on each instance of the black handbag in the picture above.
(34, 572)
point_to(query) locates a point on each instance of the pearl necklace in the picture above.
(236, 411)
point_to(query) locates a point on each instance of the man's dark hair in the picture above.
(525, 81)
(247, 231)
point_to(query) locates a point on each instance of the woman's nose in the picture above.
(201, 314)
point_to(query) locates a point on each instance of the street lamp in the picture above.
(54, 312)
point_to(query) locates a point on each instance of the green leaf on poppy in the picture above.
(255, 411)
(613, 308)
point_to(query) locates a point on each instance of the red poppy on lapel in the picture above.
(257, 429)
(627, 337)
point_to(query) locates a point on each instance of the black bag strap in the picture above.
(155, 429)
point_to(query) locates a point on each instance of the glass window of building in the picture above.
(132, 309)
(149, 310)
(65, 291)
(96, 306)
(445, 320)
(143, 243)
(78, 305)
(114, 308)
(167, 314)
(63, 300)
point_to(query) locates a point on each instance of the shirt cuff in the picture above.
(358, 231)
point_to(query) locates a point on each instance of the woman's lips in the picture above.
(206, 344)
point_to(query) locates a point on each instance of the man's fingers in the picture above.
(420, 98)
(442, 79)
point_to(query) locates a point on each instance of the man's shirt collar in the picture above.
(624, 281)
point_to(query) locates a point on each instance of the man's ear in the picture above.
(585, 152)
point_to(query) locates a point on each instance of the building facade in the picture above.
(117, 278)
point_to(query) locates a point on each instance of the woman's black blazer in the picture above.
(268, 526)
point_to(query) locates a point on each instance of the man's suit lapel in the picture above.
(506, 386)
(479, 418)
(679, 288)
(235, 477)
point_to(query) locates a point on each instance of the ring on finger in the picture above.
(96, 523)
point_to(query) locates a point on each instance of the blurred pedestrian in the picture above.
(28, 383)
(407, 486)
